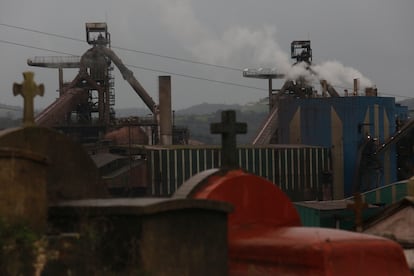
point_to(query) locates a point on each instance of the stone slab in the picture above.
(155, 236)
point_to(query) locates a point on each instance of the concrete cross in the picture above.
(357, 207)
(28, 89)
(228, 128)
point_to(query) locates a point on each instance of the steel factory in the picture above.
(131, 195)
(314, 144)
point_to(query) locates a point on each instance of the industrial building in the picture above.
(313, 144)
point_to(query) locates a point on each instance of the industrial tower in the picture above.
(85, 107)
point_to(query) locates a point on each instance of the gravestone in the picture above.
(23, 198)
(127, 236)
(28, 90)
(23, 188)
(152, 236)
(228, 128)
(265, 237)
(71, 173)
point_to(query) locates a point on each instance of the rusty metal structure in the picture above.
(85, 107)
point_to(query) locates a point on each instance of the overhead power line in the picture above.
(34, 47)
(142, 67)
(125, 49)
(197, 78)
(41, 32)
(156, 55)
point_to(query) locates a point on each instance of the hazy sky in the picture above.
(369, 39)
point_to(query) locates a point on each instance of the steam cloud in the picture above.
(242, 47)
(337, 74)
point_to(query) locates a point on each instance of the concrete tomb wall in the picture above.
(71, 174)
(23, 188)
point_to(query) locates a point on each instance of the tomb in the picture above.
(154, 236)
(71, 173)
(23, 188)
(220, 222)
(265, 236)
(50, 183)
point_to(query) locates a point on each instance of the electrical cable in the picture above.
(126, 49)
(161, 56)
(142, 67)
(34, 47)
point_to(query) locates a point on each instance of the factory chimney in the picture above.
(371, 91)
(356, 87)
(165, 122)
(324, 88)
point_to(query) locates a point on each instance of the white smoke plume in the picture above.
(339, 75)
(235, 46)
(242, 47)
(179, 17)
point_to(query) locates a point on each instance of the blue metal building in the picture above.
(343, 124)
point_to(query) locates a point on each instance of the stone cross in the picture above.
(357, 207)
(228, 128)
(28, 89)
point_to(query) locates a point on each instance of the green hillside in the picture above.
(199, 117)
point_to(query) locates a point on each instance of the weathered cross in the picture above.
(357, 207)
(28, 89)
(228, 128)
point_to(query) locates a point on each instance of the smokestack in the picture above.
(356, 87)
(324, 88)
(371, 91)
(346, 92)
(165, 123)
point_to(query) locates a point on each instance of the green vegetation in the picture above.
(199, 125)
(199, 117)
(96, 248)
(18, 249)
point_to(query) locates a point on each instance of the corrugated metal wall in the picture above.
(357, 117)
(296, 170)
